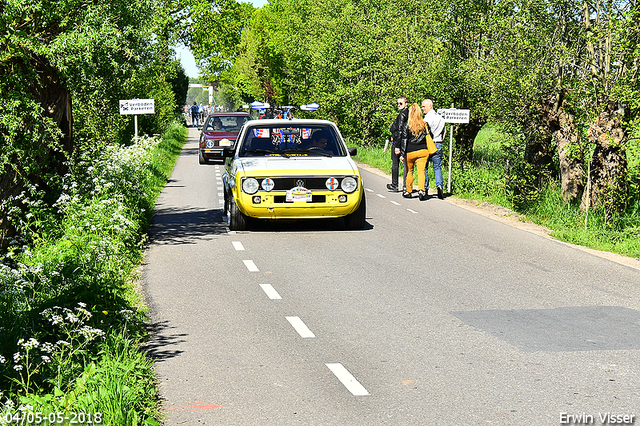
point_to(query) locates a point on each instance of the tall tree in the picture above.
(63, 67)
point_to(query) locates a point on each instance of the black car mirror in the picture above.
(352, 150)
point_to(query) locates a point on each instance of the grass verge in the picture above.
(71, 319)
(485, 179)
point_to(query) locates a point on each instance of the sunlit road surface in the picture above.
(431, 315)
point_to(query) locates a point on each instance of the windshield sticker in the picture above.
(306, 133)
(261, 133)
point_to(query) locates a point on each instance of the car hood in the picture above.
(298, 165)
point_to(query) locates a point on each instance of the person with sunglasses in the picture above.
(396, 139)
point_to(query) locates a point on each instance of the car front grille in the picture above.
(312, 183)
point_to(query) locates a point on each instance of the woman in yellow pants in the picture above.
(413, 150)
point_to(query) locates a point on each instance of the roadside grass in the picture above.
(486, 180)
(71, 317)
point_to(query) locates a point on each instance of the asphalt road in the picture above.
(431, 315)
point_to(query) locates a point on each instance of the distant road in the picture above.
(432, 315)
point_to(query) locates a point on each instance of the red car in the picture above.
(219, 134)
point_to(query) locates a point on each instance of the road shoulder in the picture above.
(511, 218)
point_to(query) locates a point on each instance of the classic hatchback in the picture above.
(292, 169)
(219, 134)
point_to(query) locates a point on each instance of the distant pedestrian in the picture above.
(437, 129)
(194, 114)
(413, 151)
(396, 139)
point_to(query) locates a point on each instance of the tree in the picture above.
(63, 67)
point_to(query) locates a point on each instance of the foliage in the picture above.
(69, 314)
(545, 70)
(64, 66)
(487, 178)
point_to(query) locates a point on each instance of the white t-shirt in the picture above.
(436, 124)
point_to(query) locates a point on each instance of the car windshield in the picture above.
(225, 122)
(312, 140)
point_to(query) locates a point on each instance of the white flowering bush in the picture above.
(65, 290)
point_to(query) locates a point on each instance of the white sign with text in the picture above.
(137, 106)
(454, 115)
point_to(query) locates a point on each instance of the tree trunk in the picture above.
(571, 165)
(608, 176)
(465, 136)
(51, 94)
(560, 124)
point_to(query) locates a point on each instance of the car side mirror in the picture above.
(352, 150)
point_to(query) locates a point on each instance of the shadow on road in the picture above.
(171, 225)
(159, 345)
(191, 153)
(571, 328)
(301, 225)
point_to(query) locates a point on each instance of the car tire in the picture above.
(236, 219)
(201, 158)
(357, 219)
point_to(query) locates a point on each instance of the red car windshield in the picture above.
(225, 123)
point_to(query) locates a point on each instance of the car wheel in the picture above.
(237, 220)
(201, 158)
(356, 220)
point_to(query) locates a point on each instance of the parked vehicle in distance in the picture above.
(292, 169)
(219, 134)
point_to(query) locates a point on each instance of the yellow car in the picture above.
(292, 169)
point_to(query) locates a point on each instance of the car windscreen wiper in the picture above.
(313, 150)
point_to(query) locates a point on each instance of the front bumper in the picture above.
(273, 205)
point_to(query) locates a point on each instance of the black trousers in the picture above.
(395, 167)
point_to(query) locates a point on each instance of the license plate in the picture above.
(213, 151)
(298, 194)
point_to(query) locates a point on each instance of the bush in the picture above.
(70, 314)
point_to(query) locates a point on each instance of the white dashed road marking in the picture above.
(396, 203)
(237, 245)
(412, 211)
(270, 291)
(381, 196)
(251, 266)
(300, 327)
(347, 379)
(368, 189)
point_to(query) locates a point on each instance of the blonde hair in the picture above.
(415, 122)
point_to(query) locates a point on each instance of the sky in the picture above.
(186, 57)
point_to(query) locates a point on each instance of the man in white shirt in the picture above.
(437, 129)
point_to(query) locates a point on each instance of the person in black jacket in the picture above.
(396, 138)
(413, 151)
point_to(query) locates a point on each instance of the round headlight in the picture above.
(250, 186)
(349, 184)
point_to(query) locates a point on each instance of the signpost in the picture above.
(135, 107)
(453, 115)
